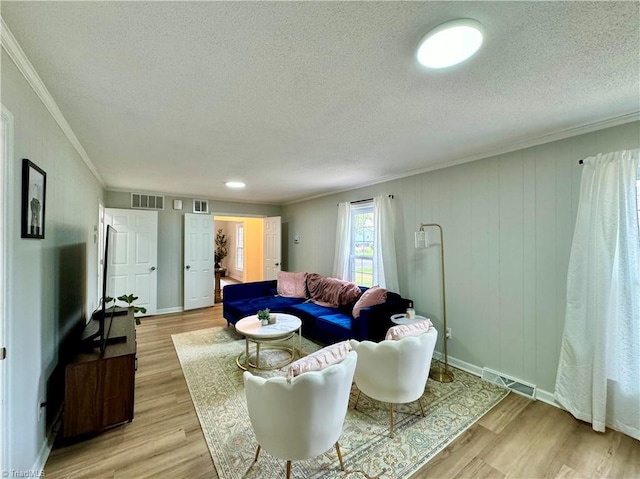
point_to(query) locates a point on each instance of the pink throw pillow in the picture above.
(332, 354)
(331, 292)
(370, 297)
(406, 330)
(292, 285)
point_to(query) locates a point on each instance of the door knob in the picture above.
(153, 268)
(276, 264)
(188, 267)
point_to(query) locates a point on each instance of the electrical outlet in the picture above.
(41, 409)
(449, 334)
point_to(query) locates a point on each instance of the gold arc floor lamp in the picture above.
(438, 372)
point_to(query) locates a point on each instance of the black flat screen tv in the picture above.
(103, 316)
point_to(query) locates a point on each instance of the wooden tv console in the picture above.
(99, 388)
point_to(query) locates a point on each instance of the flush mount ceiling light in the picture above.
(450, 43)
(235, 184)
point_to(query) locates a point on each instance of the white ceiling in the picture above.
(299, 99)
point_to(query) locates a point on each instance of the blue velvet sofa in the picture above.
(328, 325)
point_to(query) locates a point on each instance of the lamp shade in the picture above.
(422, 239)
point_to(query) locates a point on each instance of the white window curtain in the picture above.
(343, 242)
(385, 269)
(598, 378)
(384, 219)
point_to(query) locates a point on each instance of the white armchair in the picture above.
(302, 418)
(395, 372)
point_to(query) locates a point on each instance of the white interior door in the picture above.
(199, 273)
(134, 268)
(272, 247)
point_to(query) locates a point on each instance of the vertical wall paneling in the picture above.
(565, 218)
(546, 259)
(491, 350)
(508, 223)
(478, 340)
(458, 240)
(529, 283)
(510, 268)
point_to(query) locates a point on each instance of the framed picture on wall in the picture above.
(34, 188)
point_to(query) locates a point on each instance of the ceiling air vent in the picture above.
(141, 201)
(201, 206)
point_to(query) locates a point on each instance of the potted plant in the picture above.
(263, 316)
(129, 299)
(221, 248)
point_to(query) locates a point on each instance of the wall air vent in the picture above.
(201, 206)
(517, 386)
(142, 201)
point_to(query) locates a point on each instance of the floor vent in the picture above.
(517, 386)
(141, 201)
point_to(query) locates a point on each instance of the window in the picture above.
(365, 233)
(362, 261)
(239, 247)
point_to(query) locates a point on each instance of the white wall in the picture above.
(508, 224)
(232, 235)
(46, 295)
(170, 239)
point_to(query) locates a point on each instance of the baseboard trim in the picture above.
(47, 446)
(43, 455)
(541, 395)
(178, 309)
(458, 363)
(547, 397)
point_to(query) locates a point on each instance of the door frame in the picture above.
(6, 157)
(225, 217)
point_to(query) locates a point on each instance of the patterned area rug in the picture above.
(208, 359)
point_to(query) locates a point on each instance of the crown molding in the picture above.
(520, 145)
(16, 53)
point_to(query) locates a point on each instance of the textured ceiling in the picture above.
(299, 99)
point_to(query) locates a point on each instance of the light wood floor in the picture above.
(519, 438)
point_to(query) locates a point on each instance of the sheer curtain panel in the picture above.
(341, 266)
(598, 378)
(384, 218)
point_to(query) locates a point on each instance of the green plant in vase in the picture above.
(221, 248)
(263, 316)
(129, 299)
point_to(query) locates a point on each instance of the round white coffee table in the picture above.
(272, 336)
(403, 319)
